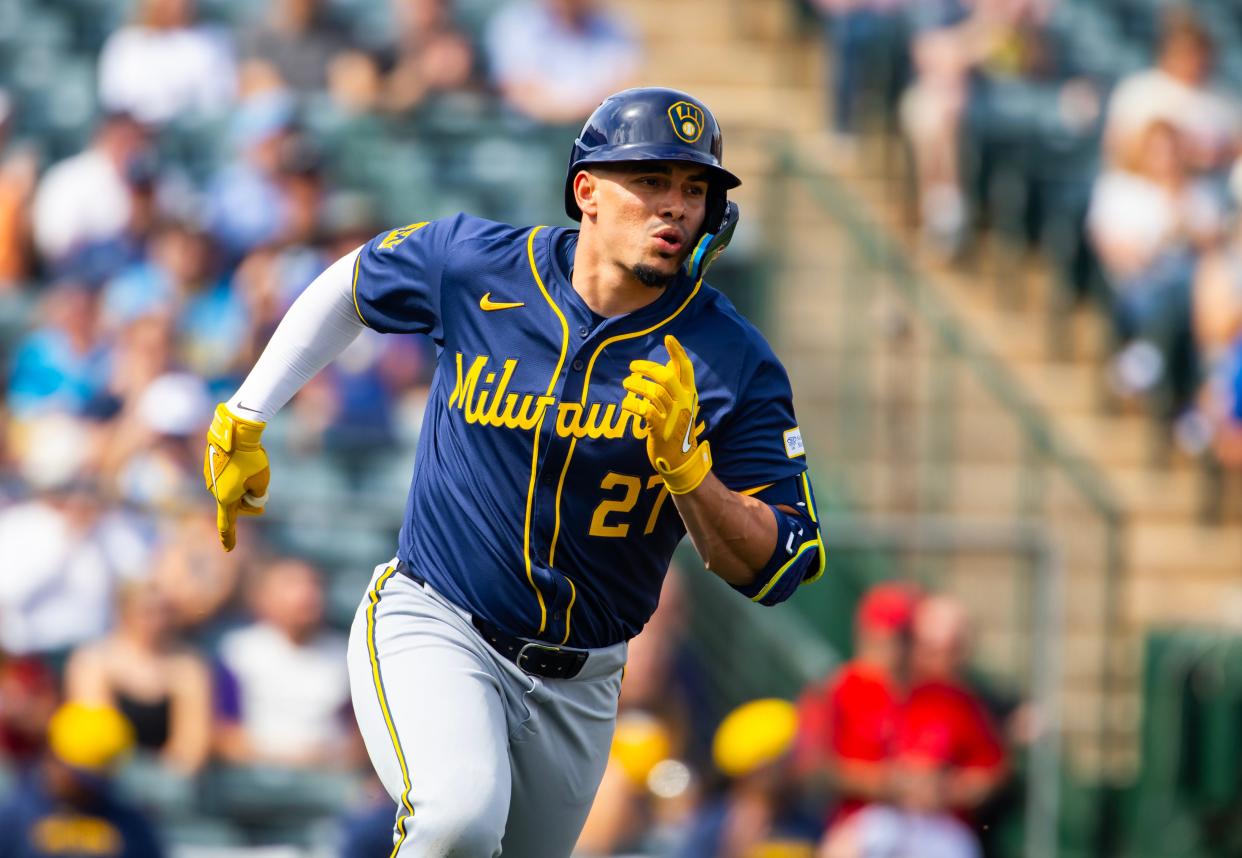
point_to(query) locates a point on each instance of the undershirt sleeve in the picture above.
(317, 328)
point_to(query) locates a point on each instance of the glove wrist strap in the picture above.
(687, 476)
(230, 432)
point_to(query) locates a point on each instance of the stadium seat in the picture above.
(71, 107)
(202, 837)
(345, 587)
(153, 786)
(233, 13)
(262, 797)
(91, 21)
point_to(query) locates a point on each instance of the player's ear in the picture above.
(586, 193)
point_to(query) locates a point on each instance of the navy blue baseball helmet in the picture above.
(652, 124)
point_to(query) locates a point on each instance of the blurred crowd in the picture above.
(1108, 133)
(899, 753)
(163, 741)
(172, 175)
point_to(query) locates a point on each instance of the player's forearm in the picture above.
(733, 533)
(317, 328)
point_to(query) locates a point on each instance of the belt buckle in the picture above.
(524, 653)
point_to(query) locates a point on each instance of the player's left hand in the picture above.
(236, 471)
(665, 397)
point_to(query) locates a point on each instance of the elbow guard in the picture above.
(798, 558)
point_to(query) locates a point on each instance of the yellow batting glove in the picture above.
(665, 397)
(236, 471)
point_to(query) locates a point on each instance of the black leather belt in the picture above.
(534, 657)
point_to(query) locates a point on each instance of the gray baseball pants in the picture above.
(481, 758)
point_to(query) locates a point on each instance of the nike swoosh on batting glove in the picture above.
(236, 471)
(665, 397)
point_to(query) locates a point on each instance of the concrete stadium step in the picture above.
(977, 481)
(1187, 596)
(736, 20)
(697, 62)
(967, 491)
(1171, 551)
(782, 109)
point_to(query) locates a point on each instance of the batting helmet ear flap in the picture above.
(715, 238)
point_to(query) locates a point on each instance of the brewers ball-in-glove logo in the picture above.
(687, 120)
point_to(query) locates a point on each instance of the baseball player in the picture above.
(593, 401)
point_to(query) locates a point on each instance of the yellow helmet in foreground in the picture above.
(753, 735)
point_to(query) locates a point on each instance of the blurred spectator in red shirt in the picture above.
(945, 734)
(946, 754)
(28, 697)
(847, 727)
(1178, 90)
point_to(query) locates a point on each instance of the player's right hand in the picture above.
(665, 398)
(235, 470)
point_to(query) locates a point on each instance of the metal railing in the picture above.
(924, 422)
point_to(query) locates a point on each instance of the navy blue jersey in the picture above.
(533, 503)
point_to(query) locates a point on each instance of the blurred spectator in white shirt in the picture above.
(86, 198)
(1178, 90)
(163, 66)
(1148, 204)
(1148, 218)
(63, 555)
(283, 689)
(555, 60)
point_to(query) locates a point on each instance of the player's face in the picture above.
(648, 214)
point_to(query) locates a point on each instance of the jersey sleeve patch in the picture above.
(397, 278)
(793, 443)
(394, 238)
